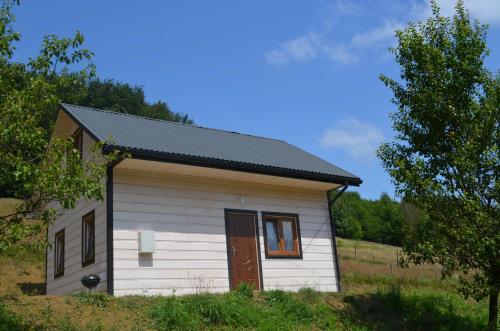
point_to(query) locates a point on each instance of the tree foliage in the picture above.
(445, 159)
(124, 98)
(35, 170)
(379, 220)
(58, 63)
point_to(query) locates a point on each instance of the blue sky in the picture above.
(302, 71)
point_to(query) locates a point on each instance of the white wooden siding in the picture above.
(71, 221)
(187, 215)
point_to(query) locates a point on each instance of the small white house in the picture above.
(195, 209)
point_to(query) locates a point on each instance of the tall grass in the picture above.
(269, 310)
(391, 308)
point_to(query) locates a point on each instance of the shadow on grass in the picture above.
(392, 310)
(32, 288)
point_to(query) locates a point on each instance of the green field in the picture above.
(377, 295)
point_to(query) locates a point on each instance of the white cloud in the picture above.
(308, 47)
(486, 11)
(340, 53)
(342, 41)
(376, 35)
(358, 139)
(301, 49)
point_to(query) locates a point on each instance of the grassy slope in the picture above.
(375, 296)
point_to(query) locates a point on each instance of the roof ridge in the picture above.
(171, 122)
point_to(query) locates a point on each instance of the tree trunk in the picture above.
(493, 316)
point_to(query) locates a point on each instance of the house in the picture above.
(195, 209)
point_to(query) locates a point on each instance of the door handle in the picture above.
(233, 250)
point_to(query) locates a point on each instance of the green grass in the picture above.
(269, 310)
(377, 295)
(390, 307)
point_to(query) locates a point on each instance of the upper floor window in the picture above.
(281, 235)
(88, 238)
(59, 254)
(78, 140)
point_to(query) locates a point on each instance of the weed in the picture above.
(228, 309)
(289, 305)
(130, 302)
(326, 318)
(97, 299)
(171, 314)
(65, 323)
(9, 321)
(245, 289)
(309, 295)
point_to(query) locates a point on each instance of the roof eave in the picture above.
(232, 165)
(77, 121)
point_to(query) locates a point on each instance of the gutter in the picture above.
(334, 232)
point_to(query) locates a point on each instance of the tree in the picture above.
(124, 98)
(391, 221)
(379, 220)
(348, 214)
(37, 171)
(445, 158)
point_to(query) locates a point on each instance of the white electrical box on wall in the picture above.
(146, 242)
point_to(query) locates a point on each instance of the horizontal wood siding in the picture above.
(187, 216)
(71, 221)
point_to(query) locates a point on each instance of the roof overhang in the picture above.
(233, 166)
(190, 172)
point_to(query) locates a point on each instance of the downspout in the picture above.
(109, 230)
(110, 281)
(333, 229)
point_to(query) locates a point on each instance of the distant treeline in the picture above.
(111, 95)
(384, 220)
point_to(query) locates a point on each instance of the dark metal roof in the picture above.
(189, 144)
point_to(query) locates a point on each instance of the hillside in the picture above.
(377, 295)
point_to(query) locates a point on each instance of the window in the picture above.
(59, 254)
(88, 238)
(78, 141)
(281, 235)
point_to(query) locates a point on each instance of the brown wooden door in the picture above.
(242, 248)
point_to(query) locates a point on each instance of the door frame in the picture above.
(255, 214)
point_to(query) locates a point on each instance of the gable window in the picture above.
(59, 254)
(88, 238)
(281, 235)
(78, 140)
